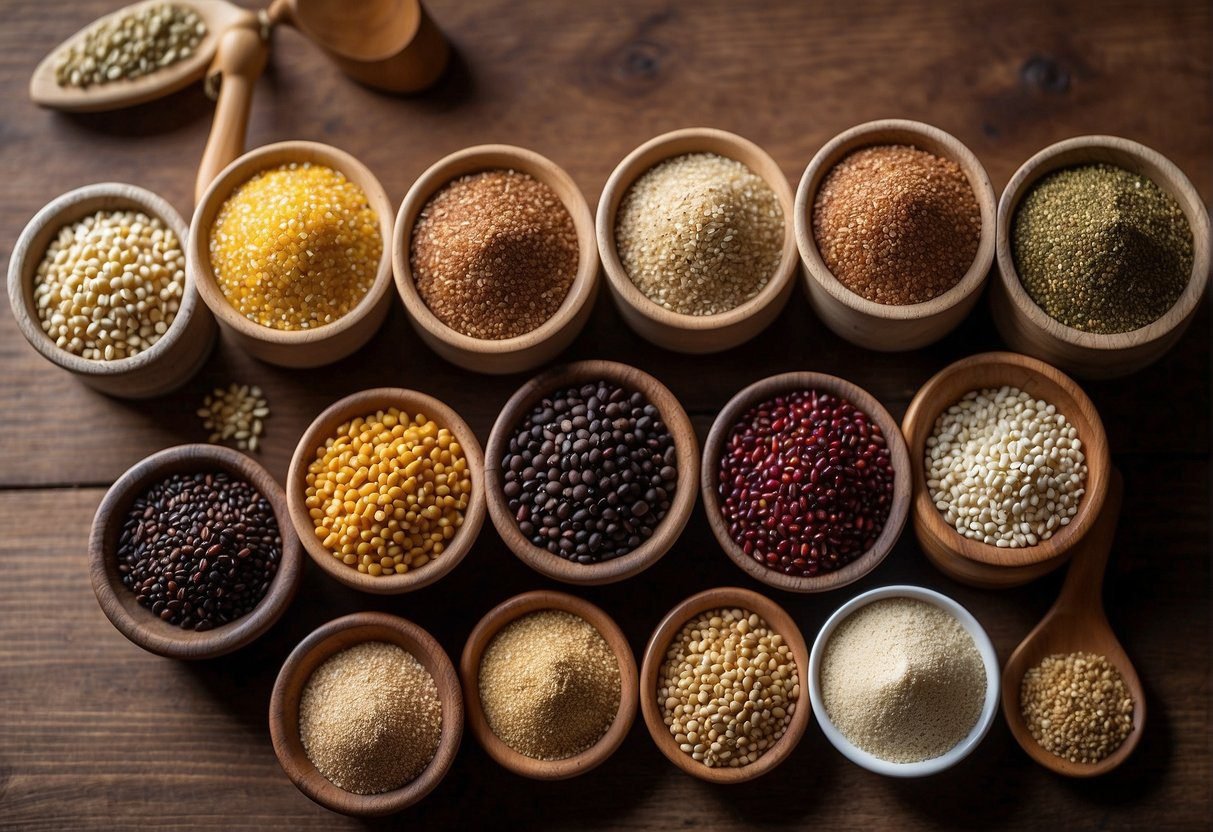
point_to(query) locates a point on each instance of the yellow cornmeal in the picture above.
(387, 492)
(295, 247)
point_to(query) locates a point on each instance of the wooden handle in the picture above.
(1083, 588)
(239, 60)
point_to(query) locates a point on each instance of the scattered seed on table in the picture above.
(236, 414)
(131, 45)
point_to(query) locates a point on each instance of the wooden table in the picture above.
(95, 733)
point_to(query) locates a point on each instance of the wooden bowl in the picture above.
(469, 666)
(138, 623)
(880, 326)
(305, 347)
(522, 352)
(667, 531)
(673, 330)
(364, 403)
(713, 449)
(654, 657)
(1027, 328)
(313, 651)
(168, 363)
(971, 561)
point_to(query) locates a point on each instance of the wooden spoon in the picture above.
(1077, 623)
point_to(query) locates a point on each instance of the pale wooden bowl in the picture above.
(313, 651)
(769, 388)
(137, 622)
(667, 531)
(654, 657)
(172, 360)
(483, 634)
(1027, 328)
(880, 326)
(526, 351)
(695, 333)
(971, 561)
(292, 348)
(365, 403)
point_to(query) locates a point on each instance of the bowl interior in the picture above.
(239, 172)
(667, 531)
(679, 143)
(138, 623)
(365, 403)
(993, 370)
(477, 160)
(325, 642)
(961, 749)
(767, 389)
(482, 636)
(654, 658)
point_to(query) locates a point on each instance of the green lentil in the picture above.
(1102, 249)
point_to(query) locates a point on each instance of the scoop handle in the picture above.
(1083, 588)
(239, 60)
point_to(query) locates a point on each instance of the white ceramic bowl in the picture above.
(936, 764)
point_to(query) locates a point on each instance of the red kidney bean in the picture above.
(805, 483)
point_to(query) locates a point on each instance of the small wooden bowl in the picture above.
(526, 351)
(1028, 328)
(325, 425)
(325, 642)
(654, 658)
(970, 561)
(138, 623)
(292, 348)
(168, 363)
(769, 388)
(469, 666)
(667, 531)
(880, 326)
(673, 330)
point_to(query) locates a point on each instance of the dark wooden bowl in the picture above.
(469, 666)
(971, 561)
(654, 657)
(313, 651)
(667, 531)
(769, 388)
(325, 425)
(138, 623)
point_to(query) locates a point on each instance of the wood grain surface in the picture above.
(98, 734)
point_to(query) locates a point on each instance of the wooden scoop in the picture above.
(1076, 623)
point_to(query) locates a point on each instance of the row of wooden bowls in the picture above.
(1024, 326)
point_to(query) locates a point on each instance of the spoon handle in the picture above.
(1083, 588)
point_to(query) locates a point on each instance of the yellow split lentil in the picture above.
(388, 492)
(296, 247)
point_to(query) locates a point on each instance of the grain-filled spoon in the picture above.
(1077, 624)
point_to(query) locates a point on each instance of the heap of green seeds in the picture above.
(1102, 249)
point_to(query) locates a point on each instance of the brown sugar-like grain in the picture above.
(494, 254)
(550, 685)
(370, 718)
(1077, 706)
(897, 225)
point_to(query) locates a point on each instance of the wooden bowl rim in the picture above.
(482, 636)
(652, 153)
(769, 388)
(412, 8)
(1158, 169)
(147, 630)
(671, 624)
(981, 640)
(309, 654)
(198, 257)
(924, 137)
(919, 421)
(670, 527)
(476, 159)
(41, 230)
(365, 403)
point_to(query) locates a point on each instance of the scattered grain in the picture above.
(236, 414)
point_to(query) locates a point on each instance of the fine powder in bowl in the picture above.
(550, 685)
(370, 718)
(903, 680)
